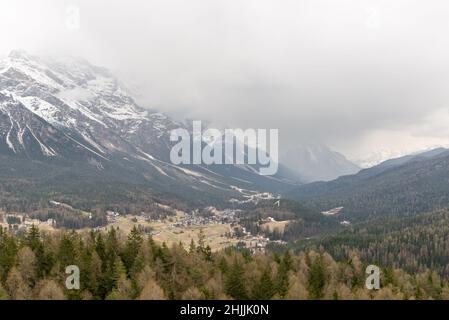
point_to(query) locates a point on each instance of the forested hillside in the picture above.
(391, 189)
(116, 266)
(413, 243)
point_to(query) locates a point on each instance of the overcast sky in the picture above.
(361, 76)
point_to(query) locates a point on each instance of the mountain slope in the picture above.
(314, 162)
(416, 244)
(68, 111)
(401, 187)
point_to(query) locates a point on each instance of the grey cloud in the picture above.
(323, 70)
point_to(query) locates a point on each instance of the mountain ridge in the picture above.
(404, 186)
(68, 109)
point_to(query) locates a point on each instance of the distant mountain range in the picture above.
(70, 130)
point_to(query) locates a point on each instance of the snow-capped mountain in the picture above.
(65, 109)
(379, 156)
(382, 155)
(317, 162)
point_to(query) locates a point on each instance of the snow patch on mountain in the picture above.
(41, 108)
(68, 108)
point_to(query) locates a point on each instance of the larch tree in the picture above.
(152, 291)
(17, 286)
(49, 290)
(26, 264)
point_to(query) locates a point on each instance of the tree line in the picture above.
(414, 243)
(117, 266)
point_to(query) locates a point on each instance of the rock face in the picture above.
(315, 162)
(67, 110)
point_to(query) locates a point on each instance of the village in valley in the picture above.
(19, 222)
(219, 228)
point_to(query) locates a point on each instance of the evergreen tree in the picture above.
(317, 278)
(235, 282)
(282, 279)
(100, 248)
(8, 254)
(264, 288)
(122, 291)
(3, 293)
(66, 254)
(44, 261)
(132, 248)
(192, 247)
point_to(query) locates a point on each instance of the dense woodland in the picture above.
(118, 266)
(405, 190)
(414, 243)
